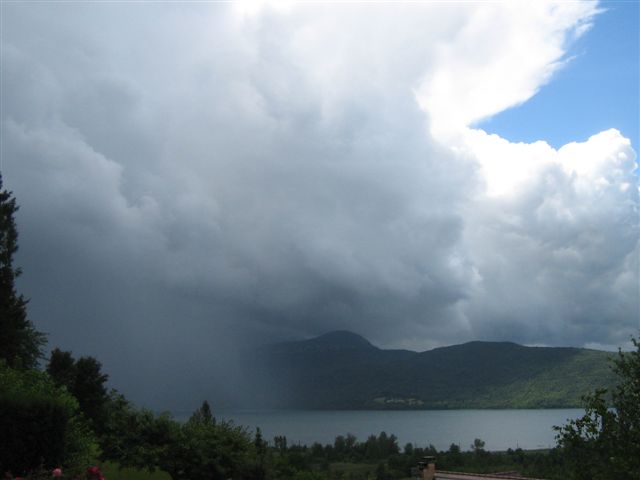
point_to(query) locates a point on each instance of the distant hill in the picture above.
(342, 370)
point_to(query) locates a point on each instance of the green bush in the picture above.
(605, 442)
(210, 450)
(41, 425)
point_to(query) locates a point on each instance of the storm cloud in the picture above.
(198, 177)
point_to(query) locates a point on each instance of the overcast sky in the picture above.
(195, 177)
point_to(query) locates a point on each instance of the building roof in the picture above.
(444, 475)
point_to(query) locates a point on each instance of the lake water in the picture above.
(500, 429)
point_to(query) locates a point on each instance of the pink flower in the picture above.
(94, 473)
(57, 472)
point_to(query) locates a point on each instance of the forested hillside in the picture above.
(343, 370)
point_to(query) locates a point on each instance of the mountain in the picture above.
(342, 370)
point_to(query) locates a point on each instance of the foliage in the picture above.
(47, 429)
(199, 448)
(135, 438)
(84, 379)
(114, 471)
(605, 443)
(62, 368)
(259, 471)
(478, 445)
(20, 343)
(206, 449)
(355, 460)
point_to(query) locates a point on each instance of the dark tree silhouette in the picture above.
(20, 343)
(84, 379)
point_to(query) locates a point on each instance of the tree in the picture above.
(203, 414)
(204, 449)
(260, 447)
(20, 343)
(41, 425)
(478, 445)
(90, 390)
(605, 442)
(408, 449)
(84, 379)
(62, 368)
(280, 443)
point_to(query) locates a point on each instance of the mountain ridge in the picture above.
(343, 370)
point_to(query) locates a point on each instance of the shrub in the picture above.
(210, 450)
(605, 442)
(45, 425)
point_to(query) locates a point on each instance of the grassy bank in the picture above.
(112, 471)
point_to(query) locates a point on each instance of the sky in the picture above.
(602, 67)
(195, 179)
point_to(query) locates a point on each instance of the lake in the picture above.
(500, 429)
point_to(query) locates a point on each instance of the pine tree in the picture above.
(20, 343)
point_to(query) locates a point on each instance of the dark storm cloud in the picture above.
(192, 181)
